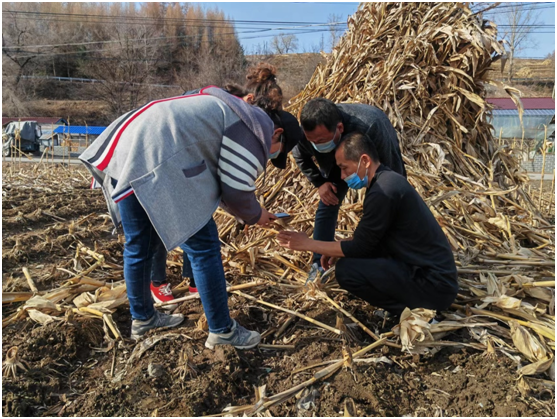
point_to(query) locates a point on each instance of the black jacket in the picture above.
(367, 119)
(291, 137)
(398, 224)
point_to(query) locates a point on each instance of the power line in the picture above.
(498, 10)
(160, 45)
(33, 53)
(214, 27)
(221, 23)
(536, 5)
(528, 26)
(158, 19)
(171, 37)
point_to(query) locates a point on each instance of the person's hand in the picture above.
(293, 240)
(266, 217)
(327, 193)
(328, 261)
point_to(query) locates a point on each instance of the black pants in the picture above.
(392, 285)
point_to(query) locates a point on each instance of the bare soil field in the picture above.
(70, 366)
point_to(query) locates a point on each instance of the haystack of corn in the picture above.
(426, 66)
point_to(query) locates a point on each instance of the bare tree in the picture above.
(551, 57)
(212, 68)
(283, 43)
(262, 50)
(109, 42)
(15, 36)
(312, 49)
(520, 22)
(121, 69)
(335, 32)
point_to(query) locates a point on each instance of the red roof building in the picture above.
(527, 102)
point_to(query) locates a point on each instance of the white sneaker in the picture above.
(159, 320)
(239, 337)
(314, 272)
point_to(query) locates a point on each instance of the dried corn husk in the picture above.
(41, 317)
(536, 367)
(414, 327)
(526, 343)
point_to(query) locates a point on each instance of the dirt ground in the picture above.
(71, 370)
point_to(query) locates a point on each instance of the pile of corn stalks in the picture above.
(425, 65)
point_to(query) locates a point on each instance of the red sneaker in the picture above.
(162, 294)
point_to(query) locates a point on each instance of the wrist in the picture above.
(309, 245)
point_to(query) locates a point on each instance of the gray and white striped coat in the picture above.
(182, 157)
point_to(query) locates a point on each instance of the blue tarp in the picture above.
(79, 130)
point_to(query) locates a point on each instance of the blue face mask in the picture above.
(274, 155)
(326, 147)
(353, 181)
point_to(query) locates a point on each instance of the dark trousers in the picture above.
(326, 219)
(392, 285)
(187, 271)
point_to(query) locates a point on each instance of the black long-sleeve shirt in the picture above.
(292, 135)
(397, 223)
(355, 118)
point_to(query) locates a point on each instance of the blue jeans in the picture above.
(143, 252)
(143, 260)
(326, 218)
(203, 252)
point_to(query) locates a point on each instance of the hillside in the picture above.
(528, 69)
(294, 71)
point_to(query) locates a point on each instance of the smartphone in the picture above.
(282, 215)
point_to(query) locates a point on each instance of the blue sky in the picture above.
(284, 12)
(319, 12)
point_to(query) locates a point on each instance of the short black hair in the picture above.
(320, 111)
(356, 144)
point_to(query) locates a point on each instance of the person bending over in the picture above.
(164, 169)
(262, 90)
